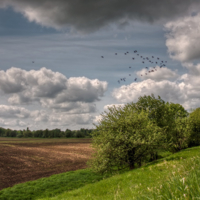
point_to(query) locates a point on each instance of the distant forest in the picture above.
(55, 133)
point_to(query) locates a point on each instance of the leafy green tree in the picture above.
(167, 116)
(8, 133)
(68, 133)
(154, 106)
(125, 138)
(19, 134)
(2, 132)
(195, 127)
(179, 133)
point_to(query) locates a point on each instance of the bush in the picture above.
(179, 134)
(124, 139)
(195, 127)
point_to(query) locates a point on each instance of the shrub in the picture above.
(124, 139)
(195, 127)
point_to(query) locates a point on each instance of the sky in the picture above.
(63, 62)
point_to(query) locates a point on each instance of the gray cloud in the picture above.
(91, 15)
(183, 38)
(70, 107)
(52, 90)
(13, 112)
(13, 123)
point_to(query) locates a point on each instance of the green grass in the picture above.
(42, 140)
(51, 186)
(139, 183)
(184, 183)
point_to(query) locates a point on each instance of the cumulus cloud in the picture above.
(171, 91)
(183, 38)
(31, 85)
(64, 101)
(13, 112)
(70, 107)
(12, 123)
(91, 15)
(159, 74)
(60, 118)
(185, 90)
(63, 119)
(51, 89)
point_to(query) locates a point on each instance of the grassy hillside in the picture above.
(181, 170)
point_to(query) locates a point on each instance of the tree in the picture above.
(195, 127)
(124, 139)
(179, 134)
(154, 106)
(170, 116)
(68, 133)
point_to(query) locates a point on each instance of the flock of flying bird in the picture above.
(147, 59)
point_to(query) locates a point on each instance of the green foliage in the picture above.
(129, 136)
(125, 138)
(195, 127)
(154, 106)
(55, 133)
(179, 134)
(169, 116)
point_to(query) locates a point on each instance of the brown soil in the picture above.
(21, 162)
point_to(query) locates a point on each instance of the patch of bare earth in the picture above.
(21, 162)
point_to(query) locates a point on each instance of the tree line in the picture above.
(55, 133)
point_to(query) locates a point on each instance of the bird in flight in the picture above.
(149, 69)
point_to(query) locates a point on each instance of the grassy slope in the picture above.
(80, 184)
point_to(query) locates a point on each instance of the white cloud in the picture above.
(183, 38)
(13, 112)
(12, 123)
(158, 74)
(171, 91)
(64, 102)
(51, 89)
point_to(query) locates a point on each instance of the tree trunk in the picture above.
(131, 160)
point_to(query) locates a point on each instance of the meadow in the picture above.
(174, 176)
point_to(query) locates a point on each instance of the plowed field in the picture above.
(24, 160)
